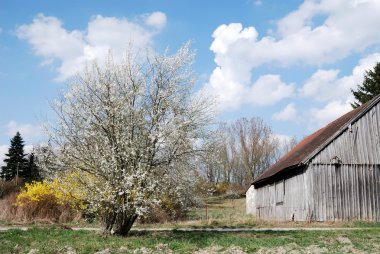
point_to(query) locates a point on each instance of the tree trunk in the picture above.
(123, 224)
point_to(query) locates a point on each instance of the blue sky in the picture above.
(292, 63)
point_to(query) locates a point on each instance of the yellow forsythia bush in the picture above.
(65, 191)
(221, 188)
(69, 189)
(36, 192)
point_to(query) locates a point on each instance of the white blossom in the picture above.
(126, 124)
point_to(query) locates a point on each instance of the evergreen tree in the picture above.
(15, 161)
(370, 87)
(32, 171)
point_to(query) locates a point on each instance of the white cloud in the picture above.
(28, 149)
(287, 113)
(325, 85)
(322, 85)
(231, 92)
(71, 49)
(285, 143)
(27, 131)
(319, 117)
(156, 19)
(344, 27)
(3, 151)
(347, 27)
(269, 89)
(228, 92)
(282, 139)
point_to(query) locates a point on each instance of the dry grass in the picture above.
(220, 211)
(217, 212)
(231, 213)
(9, 187)
(40, 212)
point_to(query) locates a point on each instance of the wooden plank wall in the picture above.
(359, 144)
(327, 192)
(324, 193)
(350, 191)
(295, 205)
(345, 192)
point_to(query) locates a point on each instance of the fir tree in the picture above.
(15, 161)
(370, 87)
(32, 171)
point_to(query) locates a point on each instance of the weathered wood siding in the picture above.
(323, 193)
(351, 190)
(359, 144)
(285, 200)
(345, 192)
(326, 191)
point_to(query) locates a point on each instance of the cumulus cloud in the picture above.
(269, 89)
(27, 131)
(3, 151)
(28, 149)
(348, 26)
(325, 85)
(319, 117)
(231, 94)
(231, 81)
(156, 19)
(317, 32)
(285, 143)
(287, 113)
(70, 50)
(282, 139)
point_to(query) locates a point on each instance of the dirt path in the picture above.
(25, 228)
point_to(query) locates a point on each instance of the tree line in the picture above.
(241, 150)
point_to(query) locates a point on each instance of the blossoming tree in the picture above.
(125, 125)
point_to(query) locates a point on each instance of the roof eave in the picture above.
(285, 173)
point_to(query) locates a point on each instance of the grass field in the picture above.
(220, 213)
(231, 213)
(56, 240)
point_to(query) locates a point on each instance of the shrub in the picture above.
(43, 211)
(41, 200)
(62, 191)
(36, 192)
(173, 205)
(229, 190)
(68, 189)
(52, 200)
(9, 187)
(236, 191)
(221, 188)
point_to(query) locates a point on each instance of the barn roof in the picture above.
(313, 144)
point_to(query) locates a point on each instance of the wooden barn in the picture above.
(331, 175)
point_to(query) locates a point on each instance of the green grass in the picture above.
(220, 213)
(53, 240)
